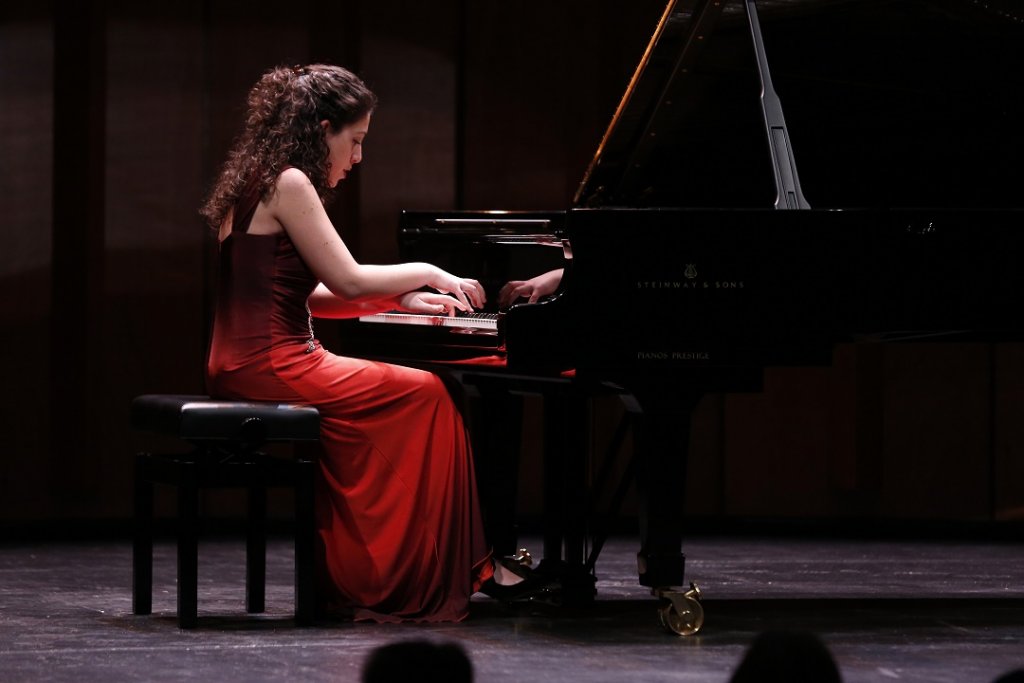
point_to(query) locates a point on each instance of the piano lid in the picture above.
(889, 103)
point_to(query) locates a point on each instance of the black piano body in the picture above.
(903, 118)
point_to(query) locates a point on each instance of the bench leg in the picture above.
(188, 551)
(256, 550)
(142, 539)
(305, 540)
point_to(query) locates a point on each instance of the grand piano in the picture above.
(697, 252)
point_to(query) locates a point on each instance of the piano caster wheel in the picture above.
(683, 615)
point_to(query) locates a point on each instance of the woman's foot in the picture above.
(504, 576)
(514, 581)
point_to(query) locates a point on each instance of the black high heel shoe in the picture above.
(520, 564)
(533, 585)
(533, 588)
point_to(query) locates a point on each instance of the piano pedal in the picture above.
(683, 613)
(577, 586)
(523, 557)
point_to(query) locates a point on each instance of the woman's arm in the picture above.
(296, 206)
(324, 304)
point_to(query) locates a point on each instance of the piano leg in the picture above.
(496, 431)
(661, 445)
(566, 486)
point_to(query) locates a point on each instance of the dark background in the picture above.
(113, 120)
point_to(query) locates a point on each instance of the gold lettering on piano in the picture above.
(691, 282)
(663, 284)
(673, 355)
(695, 284)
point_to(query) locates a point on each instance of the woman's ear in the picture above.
(326, 125)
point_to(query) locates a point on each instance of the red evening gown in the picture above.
(398, 520)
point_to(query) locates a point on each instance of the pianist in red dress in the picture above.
(399, 525)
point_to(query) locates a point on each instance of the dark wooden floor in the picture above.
(890, 610)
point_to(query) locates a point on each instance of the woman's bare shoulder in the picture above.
(292, 179)
(295, 203)
(293, 191)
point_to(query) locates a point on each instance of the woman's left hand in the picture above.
(431, 303)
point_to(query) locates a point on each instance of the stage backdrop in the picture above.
(113, 122)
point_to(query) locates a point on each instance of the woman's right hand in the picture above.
(469, 292)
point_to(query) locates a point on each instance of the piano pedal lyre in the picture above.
(683, 614)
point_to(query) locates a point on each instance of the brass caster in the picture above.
(683, 614)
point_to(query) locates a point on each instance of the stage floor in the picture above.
(907, 610)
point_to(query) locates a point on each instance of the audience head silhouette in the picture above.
(422, 661)
(787, 657)
(1015, 676)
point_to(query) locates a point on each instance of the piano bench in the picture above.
(226, 439)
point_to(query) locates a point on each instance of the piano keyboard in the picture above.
(477, 322)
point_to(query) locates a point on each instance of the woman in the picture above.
(398, 518)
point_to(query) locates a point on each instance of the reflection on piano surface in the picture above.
(462, 323)
(908, 149)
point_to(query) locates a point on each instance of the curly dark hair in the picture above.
(282, 128)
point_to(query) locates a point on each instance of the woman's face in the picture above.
(346, 147)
